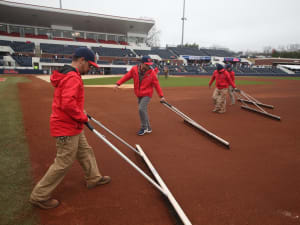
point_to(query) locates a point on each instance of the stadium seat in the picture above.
(23, 60)
(58, 49)
(115, 52)
(40, 36)
(63, 39)
(86, 40)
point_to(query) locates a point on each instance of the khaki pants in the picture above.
(219, 97)
(68, 149)
(231, 95)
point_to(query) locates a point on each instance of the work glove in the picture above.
(237, 90)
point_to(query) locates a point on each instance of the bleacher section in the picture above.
(103, 62)
(259, 70)
(12, 34)
(58, 49)
(133, 62)
(118, 70)
(193, 69)
(162, 53)
(114, 57)
(115, 52)
(187, 51)
(217, 52)
(119, 62)
(209, 69)
(22, 47)
(86, 40)
(23, 60)
(79, 39)
(268, 70)
(40, 36)
(58, 60)
(19, 46)
(200, 52)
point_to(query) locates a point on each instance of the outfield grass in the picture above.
(16, 182)
(279, 78)
(171, 81)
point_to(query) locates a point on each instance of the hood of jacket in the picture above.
(58, 75)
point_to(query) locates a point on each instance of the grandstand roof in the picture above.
(34, 15)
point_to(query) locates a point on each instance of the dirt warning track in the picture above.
(255, 182)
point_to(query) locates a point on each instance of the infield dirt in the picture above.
(255, 182)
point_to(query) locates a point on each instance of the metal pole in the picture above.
(60, 4)
(183, 19)
(195, 124)
(102, 137)
(113, 134)
(169, 195)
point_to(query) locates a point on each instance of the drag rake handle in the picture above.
(169, 195)
(195, 124)
(142, 154)
(113, 134)
(250, 100)
(125, 158)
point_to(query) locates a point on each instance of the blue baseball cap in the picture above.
(87, 54)
(219, 66)
(228, 66)
(147, 60)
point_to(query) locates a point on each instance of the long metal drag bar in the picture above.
(195, 124)
(125, 158)
(251, 100)
(142, 154)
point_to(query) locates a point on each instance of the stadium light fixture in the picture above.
(76, 34)
(183, 19)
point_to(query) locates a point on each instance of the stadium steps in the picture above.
(286, 70)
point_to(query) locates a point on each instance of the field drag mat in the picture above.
(162, 187)
(196, 125)
(250, 100)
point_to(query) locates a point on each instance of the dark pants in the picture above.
(143, 104)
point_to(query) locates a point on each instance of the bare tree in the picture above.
(293, 47)
(153, 38)
(281, 48)
(267, 50)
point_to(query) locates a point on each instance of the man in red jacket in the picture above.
(66, 124)
(223, 80)
(230, 88)
(144, 79)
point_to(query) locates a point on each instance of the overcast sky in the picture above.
(239, 25)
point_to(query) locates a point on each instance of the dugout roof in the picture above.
(34, 15)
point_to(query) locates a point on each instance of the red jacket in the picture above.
(67, 118)
(222, 78)
(232, 75)
(145, 88)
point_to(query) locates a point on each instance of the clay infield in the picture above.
(255, 182)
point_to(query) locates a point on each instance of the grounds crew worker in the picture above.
(144, 78)
(223, 80)
(230, 88)
(66, 124)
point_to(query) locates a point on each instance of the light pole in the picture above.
(60, 4)
(183, 19)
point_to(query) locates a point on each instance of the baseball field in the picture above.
(255, 182)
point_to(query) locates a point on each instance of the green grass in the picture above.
(278, 78)
(16, 182)
(171, 81)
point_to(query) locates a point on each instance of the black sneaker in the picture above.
(141, 132)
